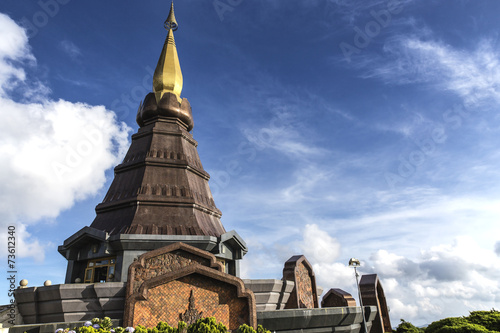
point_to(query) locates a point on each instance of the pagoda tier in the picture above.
(161, 187)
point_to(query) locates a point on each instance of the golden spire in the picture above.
(168, 75)
(170, 22)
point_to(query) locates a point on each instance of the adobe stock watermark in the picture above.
(409, 164)
(223, 6)
(11, 274)
(363, 37)
(247, 149)
(48, 9)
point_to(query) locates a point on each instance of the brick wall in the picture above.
(212, 298)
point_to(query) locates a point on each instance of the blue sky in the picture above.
(330, 128)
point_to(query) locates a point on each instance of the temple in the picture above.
(158, 252)
(160, 193)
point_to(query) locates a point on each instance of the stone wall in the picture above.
(71, 302)
(304, 293)
(10, 314)
(270, 294)
(372, 293)
(75, 302)
(336, 297)
(347, 320)
(327, 320)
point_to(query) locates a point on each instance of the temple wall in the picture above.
(269, 294)
(76, 302)
(71, 302)
(324, 320)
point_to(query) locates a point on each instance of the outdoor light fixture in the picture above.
(353, 262)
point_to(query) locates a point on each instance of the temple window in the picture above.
(100, 270)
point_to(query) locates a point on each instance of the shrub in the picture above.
(464, 328)
(207, 325)
(435, 327)
(407, 327)
(488, 319)
(249, 329)
(245, 329)
(477, 321)
(203, 325)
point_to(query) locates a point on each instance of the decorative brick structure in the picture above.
(372, 293)
(336, 297)
(180, 282)
(304, 294)
(166, 260)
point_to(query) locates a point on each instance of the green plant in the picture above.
(261, 329)
(203, 325)
(476, 322)
(436, 326)
(181, 327)
(488, 319)
(407, 327)
(464, 328)
(105, 323)
(141, 329)
(86, 329)
(245, 329)
(207, 325)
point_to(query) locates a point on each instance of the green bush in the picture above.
(436, 326)
(407, 327)
(245, 329)
(464, 328)
(249, 329)
(203, 325)
(488, 319)
(207, 325)
(477, 321)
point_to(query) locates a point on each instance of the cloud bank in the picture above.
(53, 153)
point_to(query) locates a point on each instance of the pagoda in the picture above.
(160, 193)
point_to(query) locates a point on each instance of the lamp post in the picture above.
(354, 263)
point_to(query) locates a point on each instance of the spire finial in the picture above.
(168, 75)
(170, 22)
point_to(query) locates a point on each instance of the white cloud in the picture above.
(389, 264)
(335, 275)
(70, 49)
(318, 245)
(449, 279)
(281, 137)
(323, 251)
(401, 309)
(303, 187)
(14, 49)
(473, 76)
(52, 153)
(29, 246)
